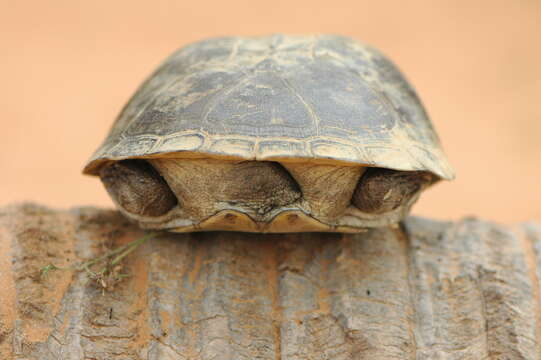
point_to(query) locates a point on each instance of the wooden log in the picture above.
(426, 290)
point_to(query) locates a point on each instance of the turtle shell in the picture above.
(322, 98)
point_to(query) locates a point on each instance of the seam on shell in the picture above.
(305, 103)
(362, 151)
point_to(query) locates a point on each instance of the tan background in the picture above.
(67, 68)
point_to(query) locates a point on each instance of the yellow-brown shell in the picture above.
(319, 98)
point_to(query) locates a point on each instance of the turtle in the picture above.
(277, 133)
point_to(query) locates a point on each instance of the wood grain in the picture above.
(427, 290)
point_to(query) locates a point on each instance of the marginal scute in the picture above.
(234, 147)
(189, 142)
(427, 159)
(393, 157)
(279, 148)
(130, 146)
(327, 149)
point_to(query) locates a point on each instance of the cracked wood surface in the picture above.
(427, 290)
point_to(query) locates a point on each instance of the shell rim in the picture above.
(235, 149)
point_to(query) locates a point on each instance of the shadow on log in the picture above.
(428, 290)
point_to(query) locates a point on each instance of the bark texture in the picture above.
(427, 290)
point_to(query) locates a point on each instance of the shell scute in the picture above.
(280, 149)
(333, 150)
(184, 142)
(130, 146)
(232, 147)
(396, 158)
(261, 105)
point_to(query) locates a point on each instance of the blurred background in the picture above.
(68, 67)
